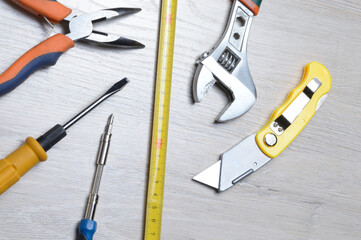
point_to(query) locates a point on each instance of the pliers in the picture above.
(48, 52)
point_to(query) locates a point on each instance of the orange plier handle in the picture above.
(44, 54)
(51, 9)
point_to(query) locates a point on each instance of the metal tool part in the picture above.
(82, 27)
(296, 107)
(87, 226)
(100, 163)
(285, 124)
(234, 165)
(114, 89)
(227, 65)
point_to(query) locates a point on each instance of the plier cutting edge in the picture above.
(49, 51)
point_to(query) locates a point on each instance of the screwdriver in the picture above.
(33, 151)
(88, 226)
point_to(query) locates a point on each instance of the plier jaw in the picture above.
(82, 27)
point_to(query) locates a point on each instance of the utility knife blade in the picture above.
(285, 123)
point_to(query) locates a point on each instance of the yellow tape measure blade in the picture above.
(155, 194)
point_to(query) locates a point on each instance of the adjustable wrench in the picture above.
(227, 63)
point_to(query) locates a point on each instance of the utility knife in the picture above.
(285, 123)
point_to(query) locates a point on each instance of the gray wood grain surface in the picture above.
(312, 191)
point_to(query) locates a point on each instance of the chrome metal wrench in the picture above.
(227, 63)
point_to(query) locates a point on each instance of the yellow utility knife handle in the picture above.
(271, 133)
(19, 162)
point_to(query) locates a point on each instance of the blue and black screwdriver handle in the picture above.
(87, 226)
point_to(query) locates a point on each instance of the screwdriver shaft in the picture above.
(114, 89)
(100, 163)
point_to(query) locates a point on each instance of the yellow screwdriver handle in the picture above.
(19, 162)
(292, 116)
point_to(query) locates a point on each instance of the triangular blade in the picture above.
(210, 176)
(240, 161)
(235, 164)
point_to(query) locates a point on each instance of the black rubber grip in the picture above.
(80, 236)
(52, 137)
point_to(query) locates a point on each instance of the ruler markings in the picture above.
(160, 122)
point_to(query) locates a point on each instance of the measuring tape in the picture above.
(153, 221)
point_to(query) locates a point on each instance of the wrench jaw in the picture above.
(202, 82)
(239, 106)
(241, 91)
(227, 65)
(239, 86)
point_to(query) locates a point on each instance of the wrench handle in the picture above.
(253, 5)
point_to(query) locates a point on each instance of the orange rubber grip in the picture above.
(252, 5)
(43, 55)
(19, 162)
(51, 9)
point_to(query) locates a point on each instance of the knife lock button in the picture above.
(270, 139)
